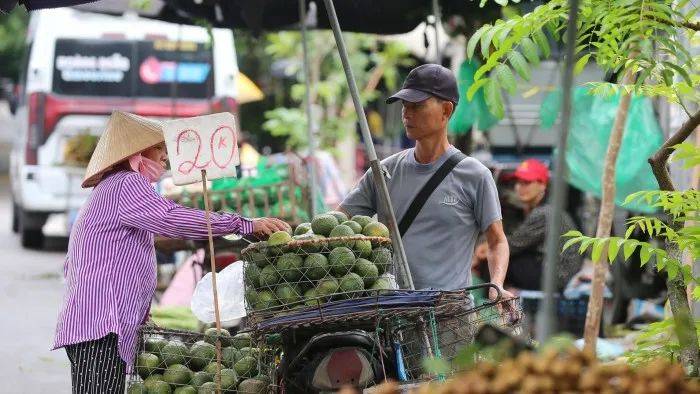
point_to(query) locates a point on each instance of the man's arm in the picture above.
(497, 257)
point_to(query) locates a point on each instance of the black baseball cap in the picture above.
(425, 81)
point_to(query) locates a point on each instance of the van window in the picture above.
(132, 69)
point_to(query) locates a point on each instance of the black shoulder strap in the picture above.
(420, 199)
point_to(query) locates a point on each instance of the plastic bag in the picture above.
(229, 283)
(591, 122)
(470, 112)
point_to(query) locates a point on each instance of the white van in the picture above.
(81, 66)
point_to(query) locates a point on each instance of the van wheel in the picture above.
(31, 238)
(15, 218)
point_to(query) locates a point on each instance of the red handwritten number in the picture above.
(221, 145)
(188, 165)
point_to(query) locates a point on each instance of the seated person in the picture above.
(527, 242)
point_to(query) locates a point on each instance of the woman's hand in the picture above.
(267, 226)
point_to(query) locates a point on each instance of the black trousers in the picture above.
(96, 367)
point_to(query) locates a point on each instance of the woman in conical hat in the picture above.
(110, 268)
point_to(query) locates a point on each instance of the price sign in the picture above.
(202, 143)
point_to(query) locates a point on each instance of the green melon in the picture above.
(185, 390)
(251, 297)
(376, 229)
(381, 284)
(150, 381)
(252, 275)
(287, 294)
(246, 367)
(315, 266)
(362, 247)
(175, 352)
(201, 354)
(313, 247)
(207, 388)
(367, 271)
(265, 300)
(212, 334)
(201, 377)
(356, 228)
(324, 224)
(289, 267)
(253, 386)
(229, 356)
(303, 229)
(381, 257)
(341, 230)
(341, 260)
(310, 297)
(147, 364)
(137, 388)
(177, 375)
(160, 387)
(269, 277)
(326, 288)
(229, 379)
(362, 220)
(155, 345)
(241, 340)
(338, 215)
(350, 282)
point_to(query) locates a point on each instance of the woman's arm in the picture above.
(529, 234)
(140, 206)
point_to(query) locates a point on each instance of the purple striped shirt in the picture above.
(110, 268)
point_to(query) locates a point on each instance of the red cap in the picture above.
(532, 170)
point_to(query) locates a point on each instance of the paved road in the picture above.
(31, 289)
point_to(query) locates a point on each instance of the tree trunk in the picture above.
(677, 292)
(605, 218)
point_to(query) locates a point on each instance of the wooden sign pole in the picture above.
(213, 280)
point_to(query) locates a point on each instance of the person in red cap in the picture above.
(527, 242)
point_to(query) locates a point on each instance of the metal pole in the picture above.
(310, 126)
(377, 171)
(546, 315)
(438, 21)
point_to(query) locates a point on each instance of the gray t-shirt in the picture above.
(440, 242)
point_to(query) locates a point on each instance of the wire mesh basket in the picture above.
(311, 271)
(173, 361)
(448, 336)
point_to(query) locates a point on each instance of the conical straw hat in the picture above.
(126, 135)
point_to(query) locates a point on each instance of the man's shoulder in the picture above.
(472, 168)
(396, 158)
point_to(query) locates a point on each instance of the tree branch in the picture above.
(659, 159)
(691, 25)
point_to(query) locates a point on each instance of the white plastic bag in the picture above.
(229, 283)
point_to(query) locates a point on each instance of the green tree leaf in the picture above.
(584, 245)
(476, 86)
(644, 254)
(629, 247)
(570, 242)
(474, 40)
(485, 42)
(493, 97)
(543, 42)
(506, 78)
(581, 63)
(529, 49)
(598, 245)
(613, 248)
(572, 233)
(519, 64)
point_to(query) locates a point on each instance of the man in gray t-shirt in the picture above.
(440, 242)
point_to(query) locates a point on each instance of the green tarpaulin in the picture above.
(591, 123)
(472, 112)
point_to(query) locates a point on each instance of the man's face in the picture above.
(425, 118)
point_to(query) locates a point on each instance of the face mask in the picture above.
(152, 170)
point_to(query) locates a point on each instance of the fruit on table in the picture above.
(252, 275)
(366, 270)
(177, 374)
(155, 345)
(147, 364)
(250, 351)
(287, 294)
(150, 381)
(342, 260)
(229, 378)
(201, 354)
(338, 215)
(265, 300)
(229, 356)
(185, 390)
(241, 340)
(310, 297)
(324, 224)
(252, 386)
(160, 387)
(212, 334)
(381, 284)
(258, 256)
(207, 388)
(251, 295)
(137, 388)
(276, 242)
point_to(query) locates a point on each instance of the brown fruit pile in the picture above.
(571, 372)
